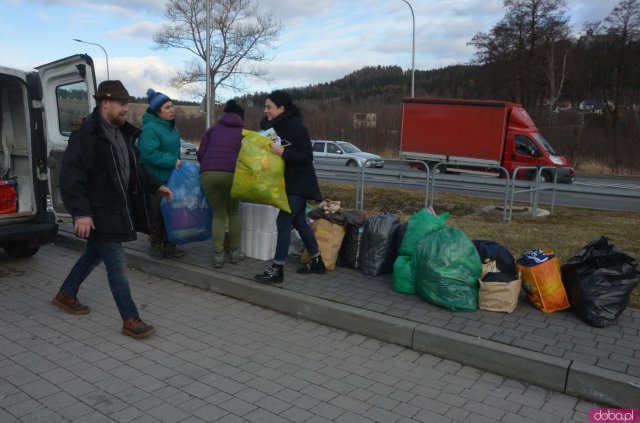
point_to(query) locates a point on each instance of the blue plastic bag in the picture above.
(188, 217)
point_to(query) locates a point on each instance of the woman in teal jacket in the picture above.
(159, 146)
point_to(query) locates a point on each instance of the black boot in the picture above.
(273, 274)
(316, 265)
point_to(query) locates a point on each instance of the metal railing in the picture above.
(508, 186)
(532, 187)
(425, 181)
(500, 189)
(401, 177)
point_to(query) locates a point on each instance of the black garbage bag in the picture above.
(599, 280)
(379, 244)
(349, 252)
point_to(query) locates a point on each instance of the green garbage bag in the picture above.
(420, 224)
(403, 279)
(447, 268)
(259, 175)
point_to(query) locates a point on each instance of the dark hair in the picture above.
(233, 107)
(281, 98)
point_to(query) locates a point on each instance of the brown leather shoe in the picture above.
(136, 328)
(69, 304)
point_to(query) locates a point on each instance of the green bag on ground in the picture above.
(403, 279)
(447, 268)
(420, 224)
(259, 175)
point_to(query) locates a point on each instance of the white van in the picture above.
(38, 110)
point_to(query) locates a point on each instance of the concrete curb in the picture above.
(574, 378)
(604, 386)
(376, 325)
(506, 360)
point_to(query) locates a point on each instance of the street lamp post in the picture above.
(413, 50)
(96, 44)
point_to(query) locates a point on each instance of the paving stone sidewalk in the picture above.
(218, 359)
(562, 335)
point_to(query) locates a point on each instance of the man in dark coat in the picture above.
(99, 180)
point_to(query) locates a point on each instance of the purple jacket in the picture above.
(220, 144)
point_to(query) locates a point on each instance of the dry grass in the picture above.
(565, 232)
(596, 168)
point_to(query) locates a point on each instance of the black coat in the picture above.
(90, 180)
(299, 173)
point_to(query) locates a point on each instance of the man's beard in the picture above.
(119, 120)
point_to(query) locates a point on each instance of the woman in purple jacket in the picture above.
(217, 155)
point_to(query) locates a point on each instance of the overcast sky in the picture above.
(320, 41)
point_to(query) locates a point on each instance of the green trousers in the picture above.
(217, 188)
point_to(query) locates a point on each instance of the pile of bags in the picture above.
(427, 257)
(443, 266)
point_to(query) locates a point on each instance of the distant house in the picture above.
(561, 106)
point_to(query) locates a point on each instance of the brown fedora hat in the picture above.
(112, 90)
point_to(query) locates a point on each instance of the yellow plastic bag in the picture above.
(259, 175)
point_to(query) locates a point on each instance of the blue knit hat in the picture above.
(156, 99)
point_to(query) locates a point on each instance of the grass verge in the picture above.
(566, 232)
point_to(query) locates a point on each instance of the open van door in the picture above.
(68, 86)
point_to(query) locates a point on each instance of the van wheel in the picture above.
(20, 249)
(351, 163)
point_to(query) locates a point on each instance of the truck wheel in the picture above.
(546, 177)
(20, 249)
(351, 163)
(437, 170)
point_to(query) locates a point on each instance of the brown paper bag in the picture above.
(329, 236)
(498, 296)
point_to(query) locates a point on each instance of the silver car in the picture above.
(187, 148)
(343, 153)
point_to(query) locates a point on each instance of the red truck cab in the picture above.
(525, 146)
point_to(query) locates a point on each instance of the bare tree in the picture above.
(519, 41)
(555, 85)
(239, 35)
(623, 26)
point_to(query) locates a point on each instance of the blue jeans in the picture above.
(297, 218)
(112, 254)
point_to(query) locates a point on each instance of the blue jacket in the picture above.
(159, 146)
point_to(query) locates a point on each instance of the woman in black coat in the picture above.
(300, 181)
